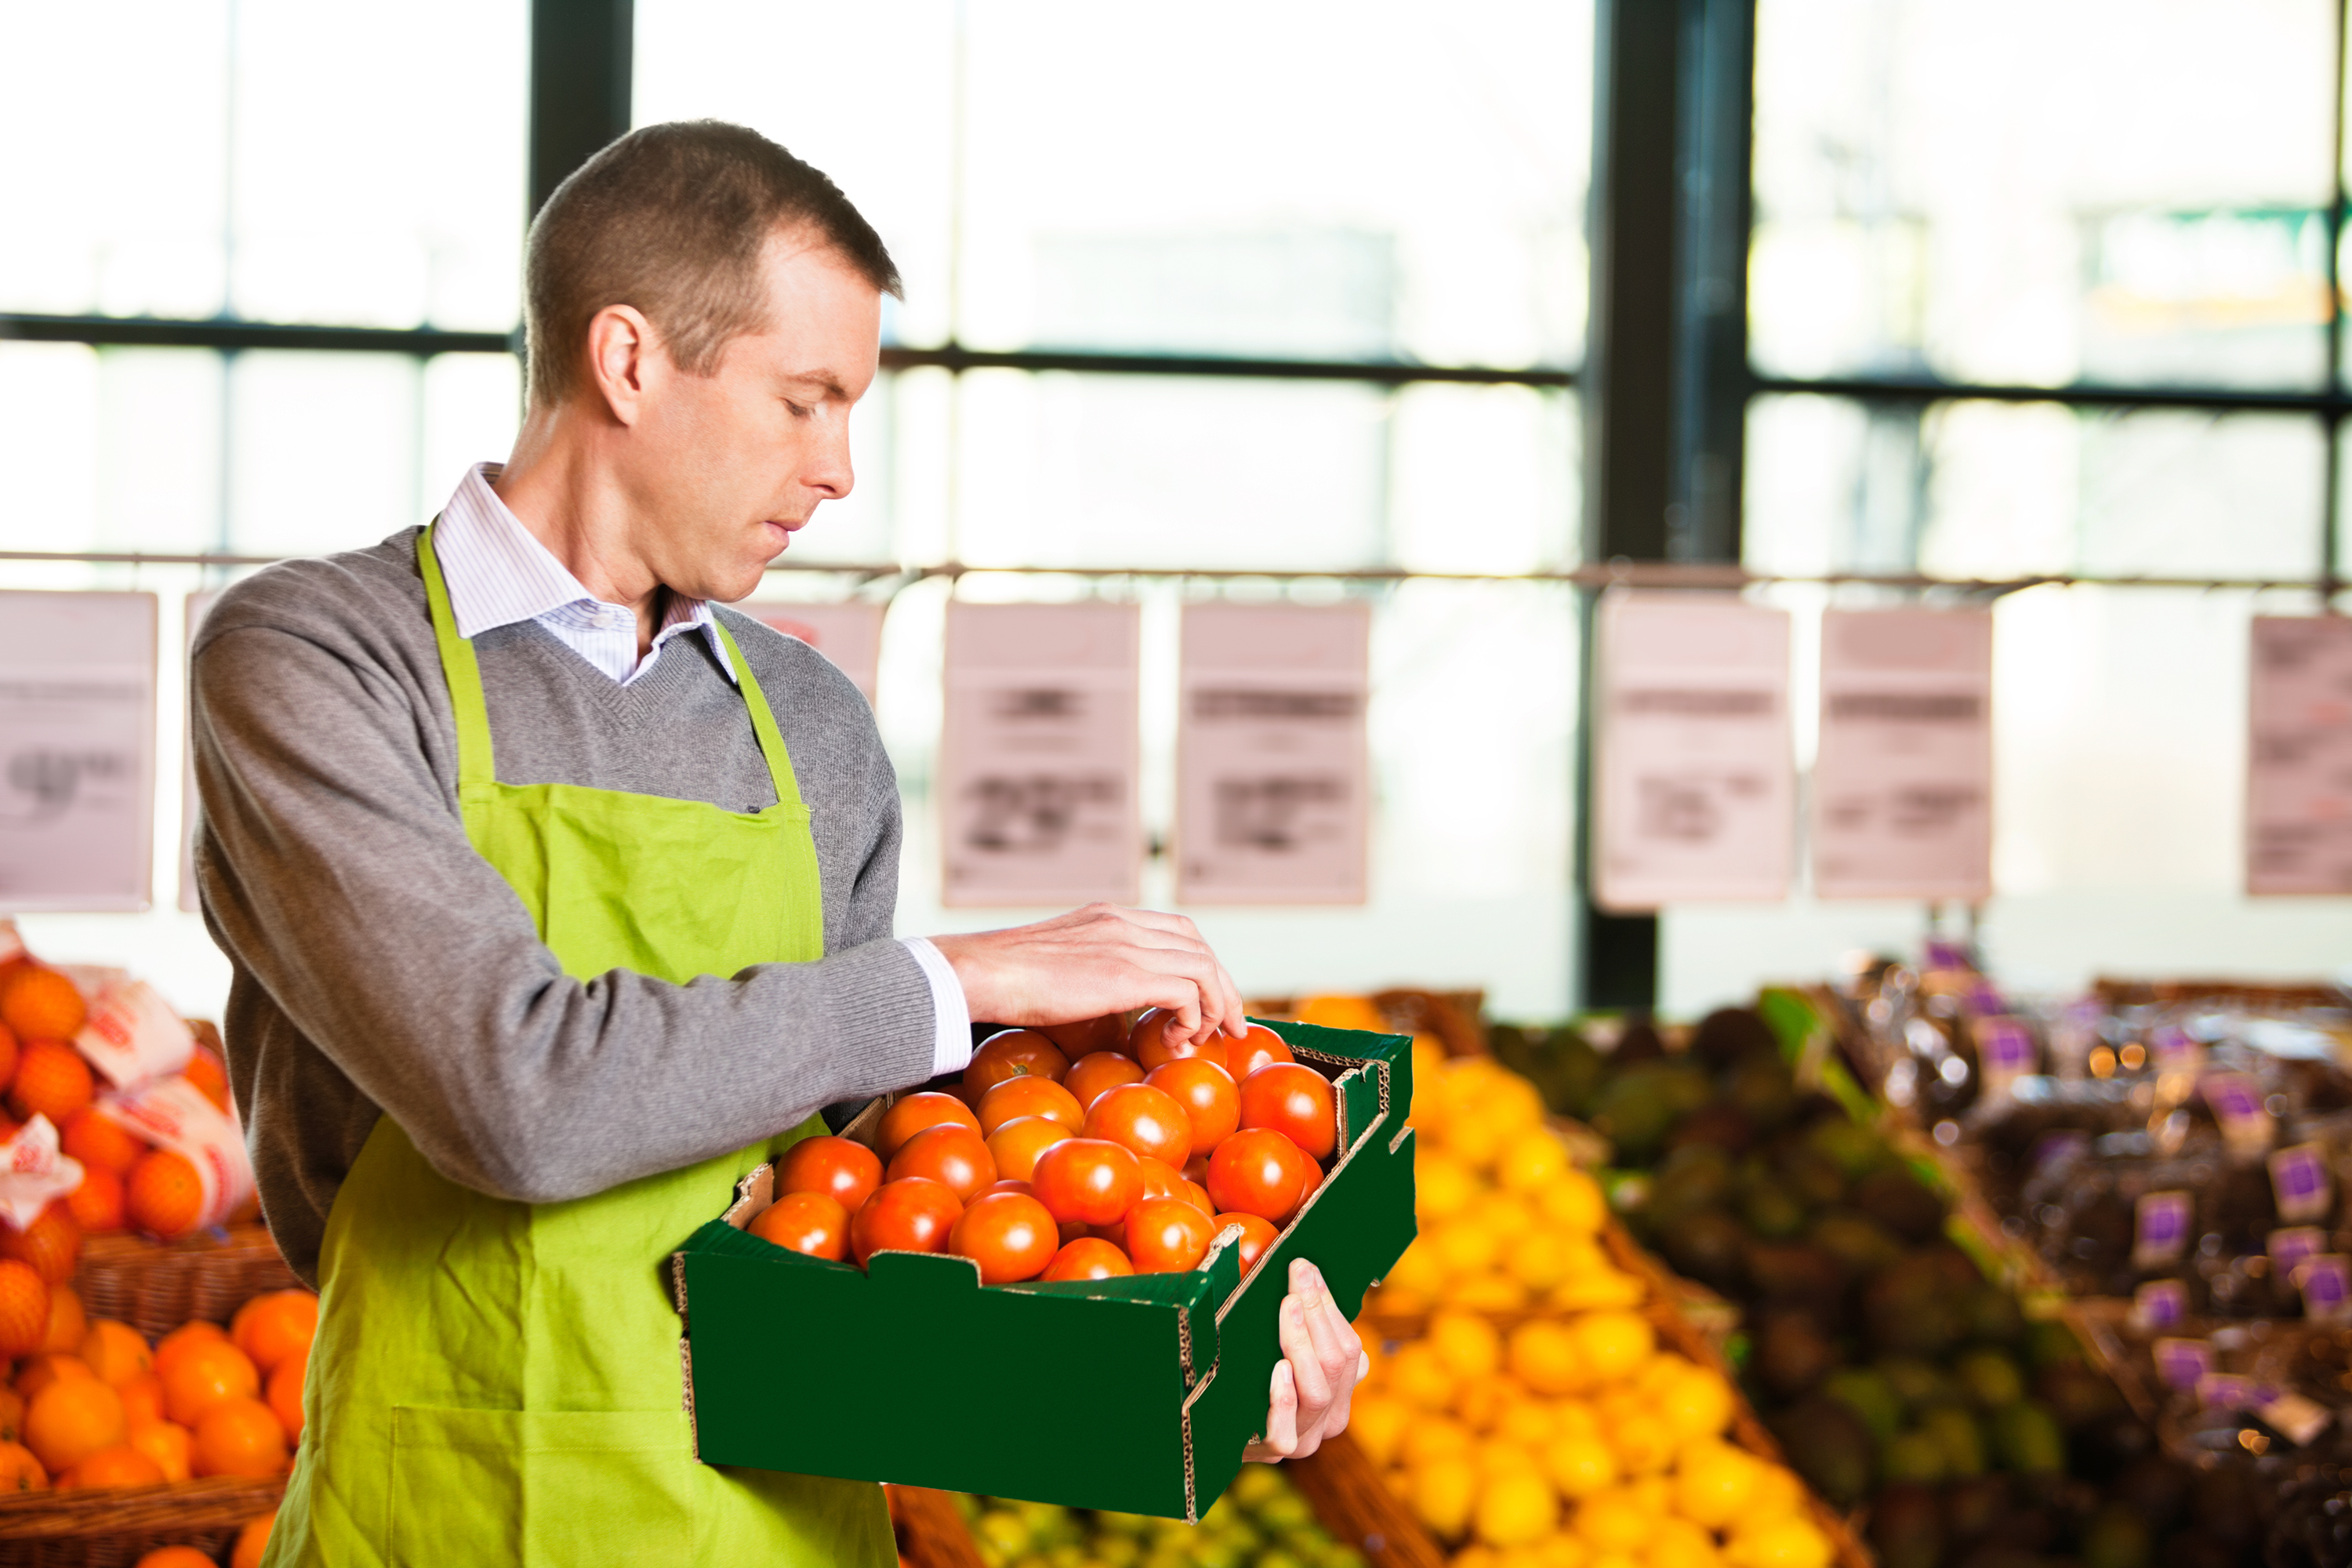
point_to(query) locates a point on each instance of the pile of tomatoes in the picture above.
(1133, 1158)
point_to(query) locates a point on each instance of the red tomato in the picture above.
(1016, 1145)
(1148, 1120)
(1089, 1257)
(844, 1171)
(1257, 1235)
(955, 1157)
(914, 1215)
(1295, 1101)
(1012, 1238)
(1196, 1195)
(1196, 1169)
(1258, 1172)
(805, 1222)
(1091, 1077)
(1008, 1185)
(1160, 1178)
(1087, 1180)
(1087, 1036)
(1016, 1053)
(1147, 1028)
(1212, 1100)
(1256, 1048)
(1152, 1046)
(917, 1111)
(1027, 1095)
(1167, 1235)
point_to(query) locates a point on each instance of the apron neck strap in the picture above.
(764, 721)
(476, 763)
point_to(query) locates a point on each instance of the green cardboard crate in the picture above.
(1136, 1395)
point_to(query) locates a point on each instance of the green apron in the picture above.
(497, 1381)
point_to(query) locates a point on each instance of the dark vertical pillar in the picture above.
(580, 57)
(1666, 369)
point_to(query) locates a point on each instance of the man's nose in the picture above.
(829, 471)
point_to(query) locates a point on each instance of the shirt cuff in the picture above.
(951, 1048)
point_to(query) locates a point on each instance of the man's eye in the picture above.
(800, 411)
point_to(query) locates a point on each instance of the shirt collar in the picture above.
(497, 572)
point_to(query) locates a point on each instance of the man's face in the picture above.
(726, 466)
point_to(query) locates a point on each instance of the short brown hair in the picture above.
(671, 219)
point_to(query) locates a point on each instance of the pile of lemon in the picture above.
(1572, 1440)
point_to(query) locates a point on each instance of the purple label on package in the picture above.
(2005, 1045)
(2237, 1103)
(2174, 1051)
(2227, 1390)
(2160, 1304)
(2180, 1363)
(2161, 1234)
(2326, 1283)
(1984, 1001)
(2300, 1182)
(2289, 1245)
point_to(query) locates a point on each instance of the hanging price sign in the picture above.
(1038, 757)
(2299, 757)
(76, 751)
(1273, 773)
(849, 634)
(1694, 787)
(1903, 782)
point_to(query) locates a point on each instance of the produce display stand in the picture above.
(156, 1286)
(112, 1529)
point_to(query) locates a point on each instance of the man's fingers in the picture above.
(1281, 1417)
(1306, 1366)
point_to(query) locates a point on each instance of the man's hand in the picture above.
(1098, 959)
(1322, 1362)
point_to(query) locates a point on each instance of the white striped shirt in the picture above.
(499, 574)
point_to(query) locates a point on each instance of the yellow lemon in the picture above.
(1679, 1543)
(1600, 1289)
(1539, 1258)
(1779, 1493)
(1463, 1247)
(1477, 1557)
(1378, 1423)
(1613, 1344)
(1715, 1483)
(1467, 1345)
(1428, 1070)
(1575, 1419)
(1696, 1403)
(1561, 1551)
(1531, 1162)
(1443, 1493)
(1431, 1439)
(1660, 1371)
(1573, 1201)
(1579, 1466)
(1342, 1013)
(1612, 1560)
(1787, 1542)
(1645, 1444)
(1547, 1357)
(1503, 1213)
(1501, 1456)
(1526, 1421)
(1441, 1185)
(1417, 1376)
(1420, 1270)
(1516, 1507)
(1508, 1105)
(1528, 1554)
(1479, 1401)
(1489, 1292)
(1614, 1520)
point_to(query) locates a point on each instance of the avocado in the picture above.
(2115, 1537)
(1907, 1526)
(1897, 1199)
(1994, 1317)
(1728, 1033)
(1793, 1274)
(2026, 1436)
(1791, 1353)
(2049, 1342)
(1829, 1448)
(1707, 1245)
(1812, 1176)
(1567, 1072)
(1854, 1150)
(1869, 1395)
(1694, 1177)
(1912, 1456)
(1909, 1307)
(1989, 1379)
(1956, 1432)
(1719, 1126)
(1974, 1505)
(1861, 1246)
(1920, 1384)
(1764, 1088)
(1636, 1107)
(1637, 1043)
(1772, 1210)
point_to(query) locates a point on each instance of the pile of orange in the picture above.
(126, 1183)
(92, 1404)
(1082, 1152)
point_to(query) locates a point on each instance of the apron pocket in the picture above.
(546, 1487)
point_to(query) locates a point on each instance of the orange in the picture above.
(97, 1206)
(41, 1003)
(116, 1352)
(285, 1393)
(211, 1079)
(180, 1340)
(19, 1470)
(176, 1557)
(8, 1049)
(143, 1398)
(120, 1466)
(46, 1369)
(206, 1375)
(71, 1419)
(52, 1081)
(50, 1244)
(172, 1446)
(98, 1140)
(240, 1437)
(12, 1415)
(66, 1323)
(24, 1309)
(272, 1327)
(252, 1541)
(164, 1199)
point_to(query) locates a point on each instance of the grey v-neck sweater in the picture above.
(382, 967)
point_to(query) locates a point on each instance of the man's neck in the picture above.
(570, 504)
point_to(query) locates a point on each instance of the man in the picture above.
(558, 899)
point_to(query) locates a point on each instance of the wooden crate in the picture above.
(157, 1285)
(113, 1529)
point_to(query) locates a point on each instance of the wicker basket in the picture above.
(114, 1529)
(1353, 1503)
(155, 1288)
(930, 1531)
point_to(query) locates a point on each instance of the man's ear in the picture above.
(620, 348)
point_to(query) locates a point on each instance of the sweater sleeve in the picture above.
(336, 874)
